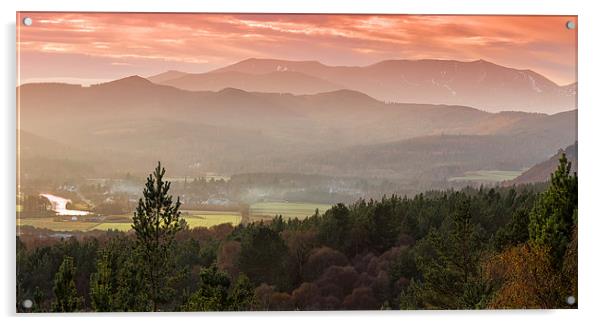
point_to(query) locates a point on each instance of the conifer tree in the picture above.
(463, 241)
(64, 289)
(156, 222)
(212, 294)
(100, 286)
(552, 218)
(449, 263)
(242, 295)
(131, 292)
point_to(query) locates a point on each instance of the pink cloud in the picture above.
(152, 42)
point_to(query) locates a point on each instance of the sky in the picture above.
(96, 47)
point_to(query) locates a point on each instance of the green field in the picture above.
(487, 176)
(121, 226)
(50, 223)
(123, 223)
(194, 218)
(268, 210)
(211, 218)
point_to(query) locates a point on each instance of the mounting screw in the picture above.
(27, 303)
(570, 24)
(570, 300)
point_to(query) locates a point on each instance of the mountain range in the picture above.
(129, 124)
(480, 84)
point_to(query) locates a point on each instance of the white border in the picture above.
(590, 121)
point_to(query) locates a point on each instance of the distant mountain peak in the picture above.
(230, 91)
(347, 93)
(134, 80)
(167, 75)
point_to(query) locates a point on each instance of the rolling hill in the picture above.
(425, 160)
(541, 172)
(133, 122)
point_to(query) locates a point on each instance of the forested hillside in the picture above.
(510, 247)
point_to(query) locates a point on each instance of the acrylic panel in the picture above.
(259, 162)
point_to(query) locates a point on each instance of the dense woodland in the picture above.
(475, 248)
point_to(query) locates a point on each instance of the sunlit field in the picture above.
(268, 210)
(121, 226)
(487, 176)
(211, 218)
(123, 222)
(51, 223)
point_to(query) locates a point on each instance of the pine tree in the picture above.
(463, 240)
(242, 297)
(156, 222)
(449, 263)
(131, 293)
(263, 257)
(38, 300)
(217, 293)
(212, 294)
(552, 219)
(64, 289)
(100, 286)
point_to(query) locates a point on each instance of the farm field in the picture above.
(121, 226)
(487, 176)
(122, 222)
(268, 210)
(51, 224)
(211, 218)
(194, 218)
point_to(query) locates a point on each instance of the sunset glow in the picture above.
(91, 47)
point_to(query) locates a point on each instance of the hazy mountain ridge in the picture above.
(480, 84)
(429, 159)
(279, 114)
(279, 82)
(135, 122)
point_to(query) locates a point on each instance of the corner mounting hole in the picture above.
(570, 24)
(27, 303)
(570, 300)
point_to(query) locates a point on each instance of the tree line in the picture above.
(475, 248)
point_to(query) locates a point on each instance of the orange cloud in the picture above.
(111, 45)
